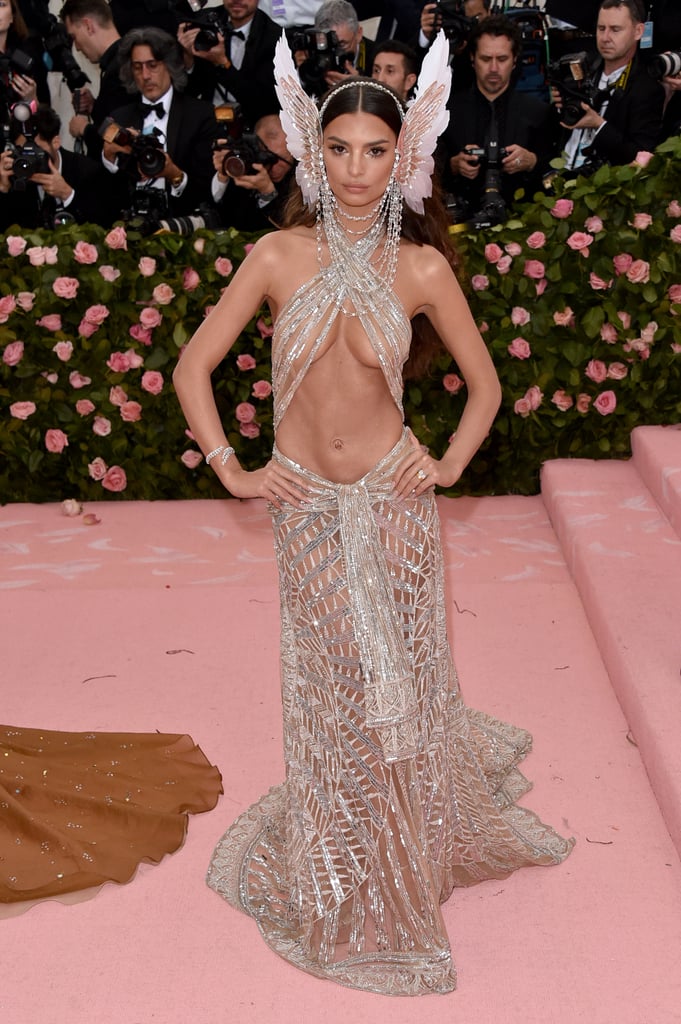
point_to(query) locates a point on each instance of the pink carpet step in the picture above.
(625, 558)
(657, 457)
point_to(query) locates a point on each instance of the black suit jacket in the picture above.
(252, 84)
(111, 96)
(633, 119)
(191, 129)
(90, 204)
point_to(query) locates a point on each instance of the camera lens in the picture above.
(235, 166)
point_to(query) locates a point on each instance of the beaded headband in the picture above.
(361, 84)
(422, 123)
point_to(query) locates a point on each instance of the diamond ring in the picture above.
(421, 475)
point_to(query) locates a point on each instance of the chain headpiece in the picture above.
(422, 123)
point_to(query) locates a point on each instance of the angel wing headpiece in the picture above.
(422, 122)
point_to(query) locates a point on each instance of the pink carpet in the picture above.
(165, 616)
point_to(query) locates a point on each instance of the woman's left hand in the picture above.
(25, 87)
(419, 470)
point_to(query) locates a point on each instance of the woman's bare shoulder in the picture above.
(285, 242)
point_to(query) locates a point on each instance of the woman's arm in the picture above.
(206, 350)
(445, 305)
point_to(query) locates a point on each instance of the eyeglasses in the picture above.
(139, 65)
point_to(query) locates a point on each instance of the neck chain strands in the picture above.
(352, 272)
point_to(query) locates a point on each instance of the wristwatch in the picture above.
(177, 180)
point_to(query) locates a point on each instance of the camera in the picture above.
(29, 159)
(492, 209)
(665, 65)
(204, 217)
(571, 75)
(242, 148)
(324, 53)
(147, 150)
(450, 17)
(210, 23)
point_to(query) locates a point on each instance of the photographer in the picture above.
(23, 75)
(65, 186)
(395, 64)
(238, 67)
(250, 191)
(175, 131)
(624, 115)
(457, 19)
(91, 27)
(494, 131)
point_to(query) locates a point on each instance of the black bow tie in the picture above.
(238, 33)
(153, 108)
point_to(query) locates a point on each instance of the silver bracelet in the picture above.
(226, 454)
(216, 451)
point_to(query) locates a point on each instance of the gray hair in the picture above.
(163, 47)
(336, 12)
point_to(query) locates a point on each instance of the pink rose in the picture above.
(115, 479)
(163, 294)
(262, 389)
(63, 350)
(504, 265)
(207, 310)
(189, 434)
(562, 208)
(245, 412)
(245, 362)
(674, 209)
(674, 293)
(479, 282)
(36, 256)
(191, 458)
(131, 412)
(609, 334)
(522, 407)
(622, 262)
(493, 253)
(452, 383)
(150, 318)
(147, 266)
(617, 371)
(77, 380)
(583, 403)
(97, 468)
(223, 266)
(596, 370)
(152, 381)
(643, 158)
(249, 430)
(534, 269)
(86, 329)
(639, 271)
(109, 273)
(520, 349)
(513, 249)
(71, 507)
(51, 378)
(638, 345)
(562, 400)
(85, 253)
(675, 348)
(16, 245)
(605, 402)
(190, 280)
(56, 441)
(564, 318)
(675, 233)
(51, 254)
(140, 334)
(13, 353)
(536, 240)
(117, 239)
(118, 362)
(519, 316)
(7, 306)
(649, 331)
(535, 396)
(248, 247)
(84, 407)
(265, 330)
(96, 314)
(101, 426)
(642, 221)
(199, 245)
(25, 301)
(597, 283)
(134, 359)
(483, 327)
(580, 241)
(51, 322)
(593, 225)
(117, 396)
(540, 286)
(65, 287)
(22, 410)
(624, 319)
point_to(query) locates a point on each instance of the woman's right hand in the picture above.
(274, 482)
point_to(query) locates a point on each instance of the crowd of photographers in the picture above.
(182, 129)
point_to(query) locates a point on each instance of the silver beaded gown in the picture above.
(395, 790)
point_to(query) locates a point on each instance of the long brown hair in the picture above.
(429, 228)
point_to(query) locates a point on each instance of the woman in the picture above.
(27, 77)
(395, 792)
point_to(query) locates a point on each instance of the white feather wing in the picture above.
(300, 122)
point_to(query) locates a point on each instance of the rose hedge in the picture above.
(579, 301)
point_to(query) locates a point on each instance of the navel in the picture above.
(338, 443)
